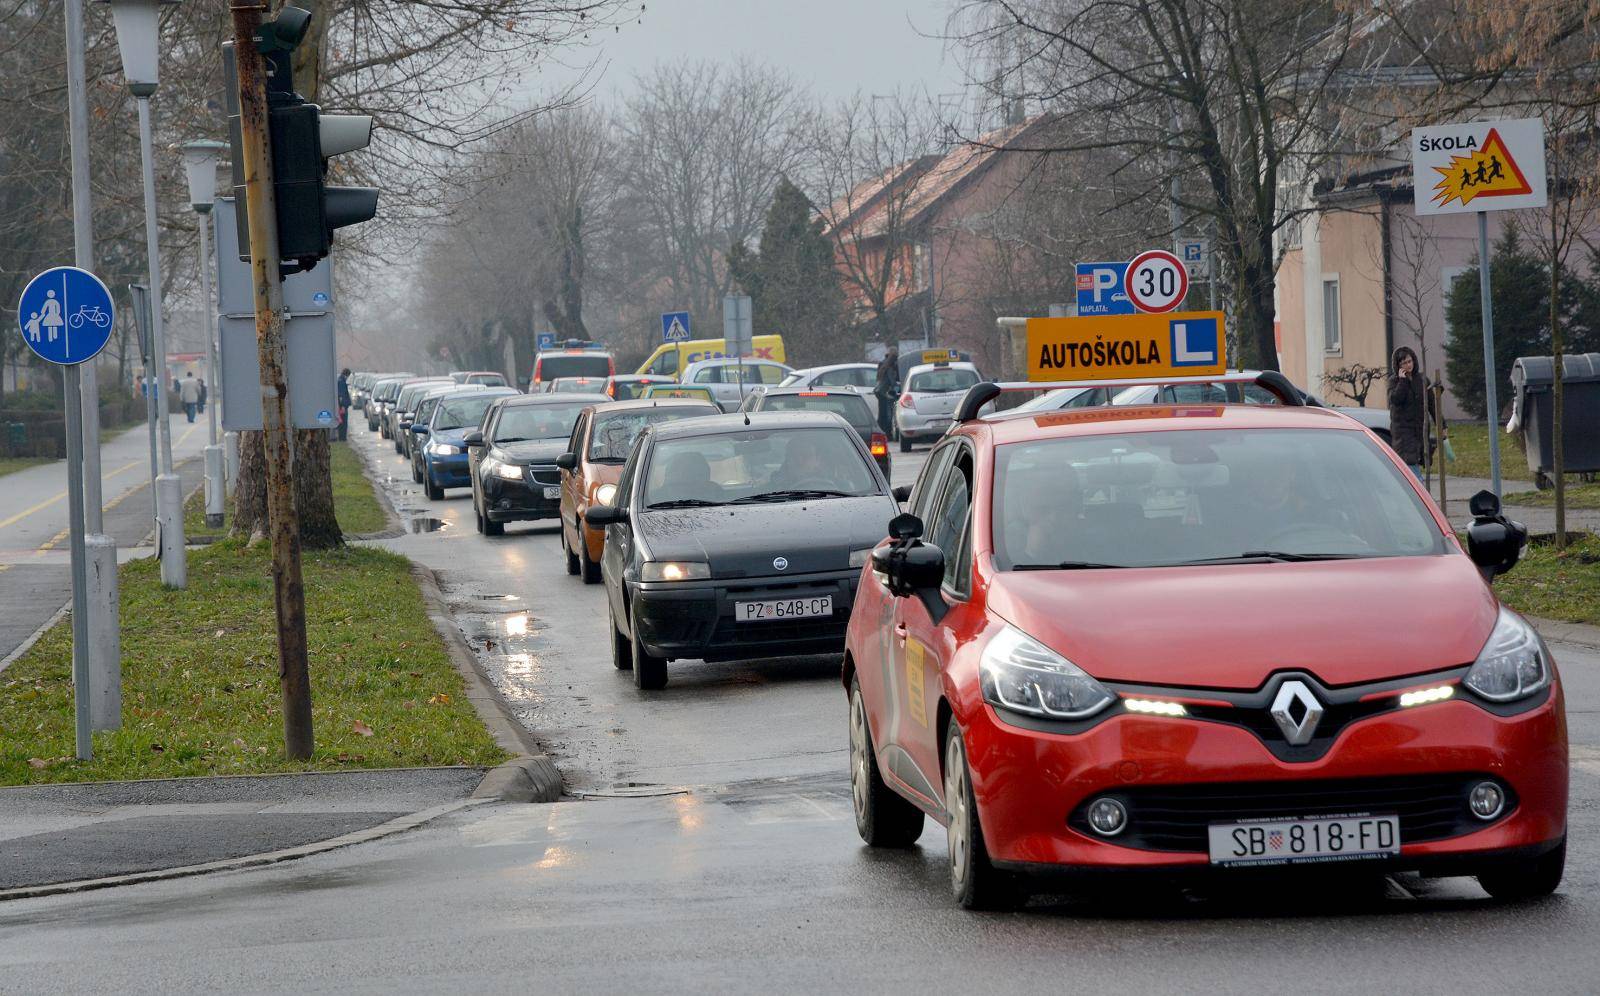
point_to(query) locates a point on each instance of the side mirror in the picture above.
(902, 493)
(605, 515)
(1493, 542)
(905, 527)
(420, 430)
(909, 570)
(567, 461)
(473, 438)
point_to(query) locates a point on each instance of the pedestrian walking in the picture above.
(887, 389)
(188, 391)
(1408, 410)
(344, 404)
(203, 393)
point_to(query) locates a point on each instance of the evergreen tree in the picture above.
(792, 282)
(1521, 292)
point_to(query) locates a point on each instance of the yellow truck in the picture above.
(670, 358)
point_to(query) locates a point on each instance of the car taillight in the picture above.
(611, 390)
(905, 401)
(813, 394)
(879, 445)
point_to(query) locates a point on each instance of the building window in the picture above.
(1332, 336)
(1448, 275)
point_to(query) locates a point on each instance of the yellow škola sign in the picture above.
(1127, 347)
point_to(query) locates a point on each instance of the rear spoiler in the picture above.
(981, 394)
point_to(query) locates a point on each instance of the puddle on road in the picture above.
(424, 524)
(629, 790)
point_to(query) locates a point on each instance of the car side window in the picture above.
(708, 375)
(950, 513)
(926, 490)
(579, 430)
(830, 378)
(771, 374)
(958, 564)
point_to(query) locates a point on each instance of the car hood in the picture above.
(451, 436)
(531, 451)
(744, 540)
(1231, 626)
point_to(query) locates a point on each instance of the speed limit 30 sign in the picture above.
(1156, 281)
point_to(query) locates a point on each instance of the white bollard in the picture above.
(230, 443)
(105, 640)
(215, 489)
(169, 530)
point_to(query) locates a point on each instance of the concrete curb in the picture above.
(530, 776)
(1565, 632)
(394, 826)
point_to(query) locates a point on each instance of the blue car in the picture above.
(444, 456)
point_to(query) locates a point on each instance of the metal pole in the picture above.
(141, 307)
(1490, 395)
(294, 676)
(216, 488)
(169, 488)
(101, 617)
(81, 696)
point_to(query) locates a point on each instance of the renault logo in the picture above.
(1295, 699)
(780, 563)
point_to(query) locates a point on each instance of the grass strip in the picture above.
(1564, 586)
(200, 685)
(10, 465)
(1578, 496)
(355, 504)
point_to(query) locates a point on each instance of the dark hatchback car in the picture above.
(843, 402)
(512, 458)
(731, 540)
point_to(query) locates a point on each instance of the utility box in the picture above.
(1533, 384)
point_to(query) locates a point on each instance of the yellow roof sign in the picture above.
(1120, 347)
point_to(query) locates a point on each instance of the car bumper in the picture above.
(1030, 786)
(448, 471)
(913, 425)
(695, 619)
(517, 501)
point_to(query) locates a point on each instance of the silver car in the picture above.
(721, 377)
(929, 398)
(861, 378)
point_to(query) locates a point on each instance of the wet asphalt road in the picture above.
(709, 846)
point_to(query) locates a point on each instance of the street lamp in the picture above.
(138, 24)
(200, 163)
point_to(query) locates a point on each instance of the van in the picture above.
(670, 358)
(581, 360)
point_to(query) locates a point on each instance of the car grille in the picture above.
(547, 474)
(1176, 817)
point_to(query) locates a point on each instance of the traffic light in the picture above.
(303, 139)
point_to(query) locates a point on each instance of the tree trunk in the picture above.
(313, 489)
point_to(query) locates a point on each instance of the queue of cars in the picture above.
(1197, 630)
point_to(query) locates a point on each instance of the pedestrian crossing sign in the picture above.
(675, 326)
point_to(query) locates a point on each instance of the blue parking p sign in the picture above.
(66, 315)
(546, 340)
(1100, 290)
(1194, 342)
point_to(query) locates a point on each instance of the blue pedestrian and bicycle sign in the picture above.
(66, 315)
(675, 326)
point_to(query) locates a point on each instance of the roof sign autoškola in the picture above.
(1478, 166)
(1127, 347)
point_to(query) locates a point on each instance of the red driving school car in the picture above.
(1198, 639)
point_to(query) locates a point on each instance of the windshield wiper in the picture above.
(793, 494)
(1069, 565)
(1250, 556)
(684, 503)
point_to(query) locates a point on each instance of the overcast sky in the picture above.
(835, 46)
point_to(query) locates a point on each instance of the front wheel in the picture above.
(976, 883)
(566, 551)
(621, 646)
(905, 444)
(435, 492)
(883, 818)
(588, 568)
(649, 671)
(1527, 879)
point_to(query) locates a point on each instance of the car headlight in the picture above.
(604, 494)
(443, 449)
(1021, 674)
(508, 471)
(674, 570)
(859, 558)
(1512, 664)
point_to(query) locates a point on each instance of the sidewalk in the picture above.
(1538, 518)
(54, 834)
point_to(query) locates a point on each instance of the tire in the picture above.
(566, 551)
(883, 818)
(589, 569)
(905, 445)
(976, 883)
(621, 646)
(383, 430)
(491, 527)
(477, 516)
(1543, 481)
(649, 671)
(416, 475)
(435, 493)
(1527, 879)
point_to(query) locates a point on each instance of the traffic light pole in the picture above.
(283, 521)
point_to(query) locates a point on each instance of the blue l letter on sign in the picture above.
(1194, 342)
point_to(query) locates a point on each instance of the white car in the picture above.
(721, 377)
(929, 398)
(858, 377)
